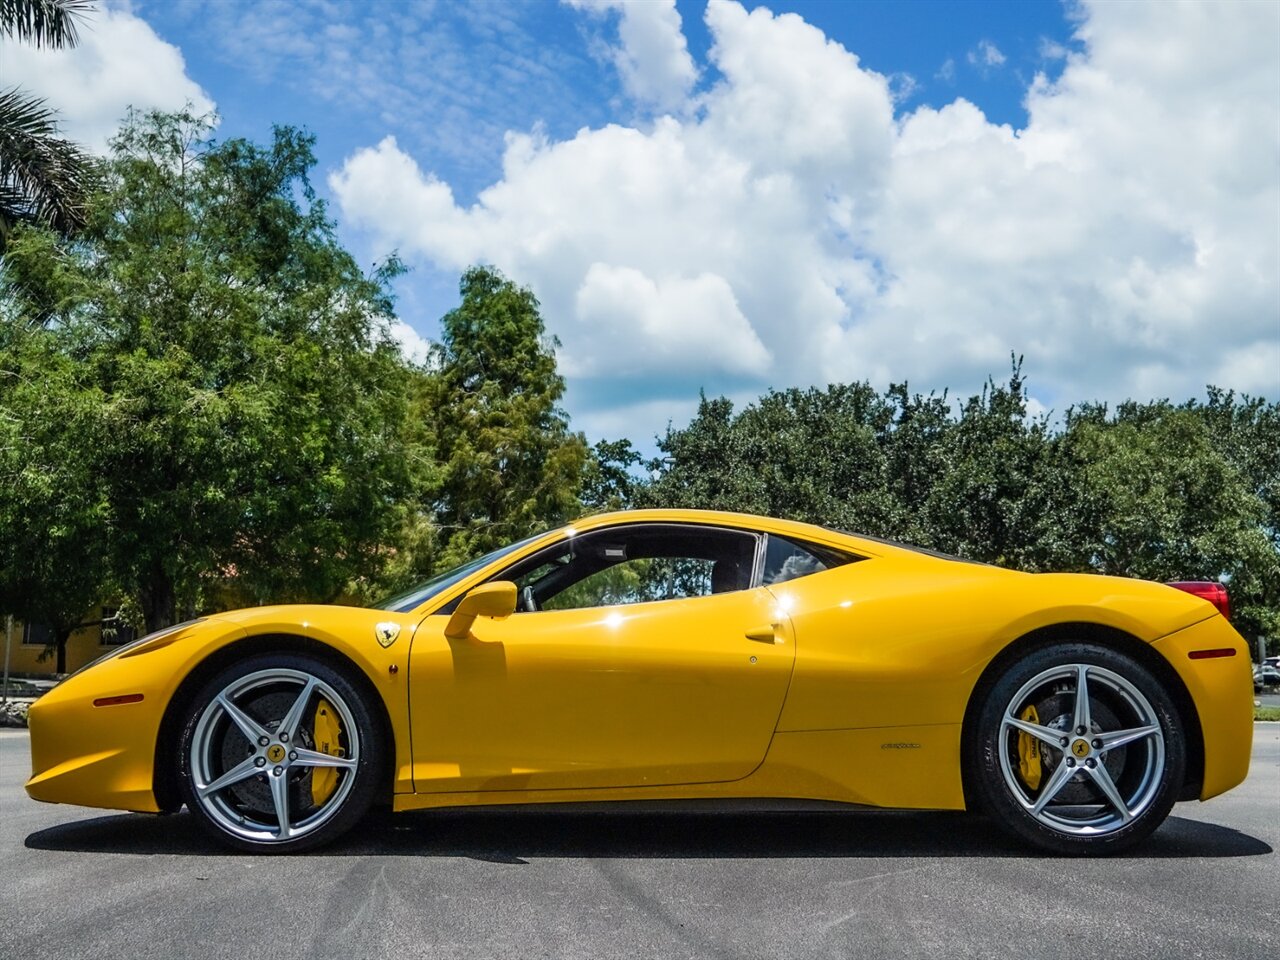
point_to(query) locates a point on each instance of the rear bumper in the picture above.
(1221, 688)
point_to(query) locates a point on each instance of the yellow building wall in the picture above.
(83, 647)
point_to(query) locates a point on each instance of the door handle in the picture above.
(767, 634)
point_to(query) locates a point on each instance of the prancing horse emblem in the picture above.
(386, 632)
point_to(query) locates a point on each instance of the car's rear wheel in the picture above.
(279, 752)
(1078, 749)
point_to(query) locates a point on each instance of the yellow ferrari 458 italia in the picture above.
(657, 655)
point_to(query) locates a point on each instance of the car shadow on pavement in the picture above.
(514, 836)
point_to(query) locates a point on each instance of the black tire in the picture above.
(1012, 767)
(272, 768)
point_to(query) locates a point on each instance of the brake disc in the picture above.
(1060, 709)
(255, 793)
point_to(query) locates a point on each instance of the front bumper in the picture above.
(96, 756)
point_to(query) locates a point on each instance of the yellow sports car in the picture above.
(673, 655)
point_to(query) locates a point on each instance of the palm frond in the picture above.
(43, 178)
(45, 23)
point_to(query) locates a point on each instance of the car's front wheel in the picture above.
(1079, 749)
(279, 752)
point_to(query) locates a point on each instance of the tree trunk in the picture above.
(158, 600)
(60, 646)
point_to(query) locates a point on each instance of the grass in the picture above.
(1266, 713)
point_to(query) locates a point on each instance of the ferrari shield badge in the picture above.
(387, 632)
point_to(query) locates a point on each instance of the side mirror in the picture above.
(496, 599)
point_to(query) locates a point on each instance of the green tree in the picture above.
(1246, 431)
(54, 519)
(43, 178)
(608, 482)
(413, 548)
(1147, 492)
(988, 498)
(244, 399)
(508, 464)
(812, 455)
(45, 23)
(916, 457)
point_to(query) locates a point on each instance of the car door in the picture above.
(621, 685)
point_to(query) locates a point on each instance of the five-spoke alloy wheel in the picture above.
(279, 752)
(1077, 748)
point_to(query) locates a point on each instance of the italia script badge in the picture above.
(387, 632)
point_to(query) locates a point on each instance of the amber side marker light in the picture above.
(1210, 654)
(1209, 590)
(116, 701)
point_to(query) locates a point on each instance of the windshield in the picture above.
(404, 602)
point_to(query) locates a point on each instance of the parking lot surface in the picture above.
(89, 883)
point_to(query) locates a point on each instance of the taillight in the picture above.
(1209, 590)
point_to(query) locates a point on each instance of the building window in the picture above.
(115, 632)
(37, 635)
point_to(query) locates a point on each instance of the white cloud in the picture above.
(639, 421)
(986, 54)
(681, 322)
(416, 347)
(1053, 50)
(902, 87)
(363, 182)
(652, 56)
(119, 62)
(787, 228)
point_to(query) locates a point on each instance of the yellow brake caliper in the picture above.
(1029, 751)
(327, 732)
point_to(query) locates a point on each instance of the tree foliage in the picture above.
(243, 404)
(44, 23)
(44, 178)
(508, 464)
(54, 520)
(608, 481)
(1168, 492)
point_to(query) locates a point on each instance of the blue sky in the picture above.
(733, 197)
(457, 128)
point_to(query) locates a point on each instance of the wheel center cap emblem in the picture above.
(1080, 748)
(275, 753)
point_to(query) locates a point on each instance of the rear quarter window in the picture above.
(786, 559)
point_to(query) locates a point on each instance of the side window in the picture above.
(639, 564)
(786, 560)
(637, 581)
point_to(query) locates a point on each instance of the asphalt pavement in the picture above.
(81, 883)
